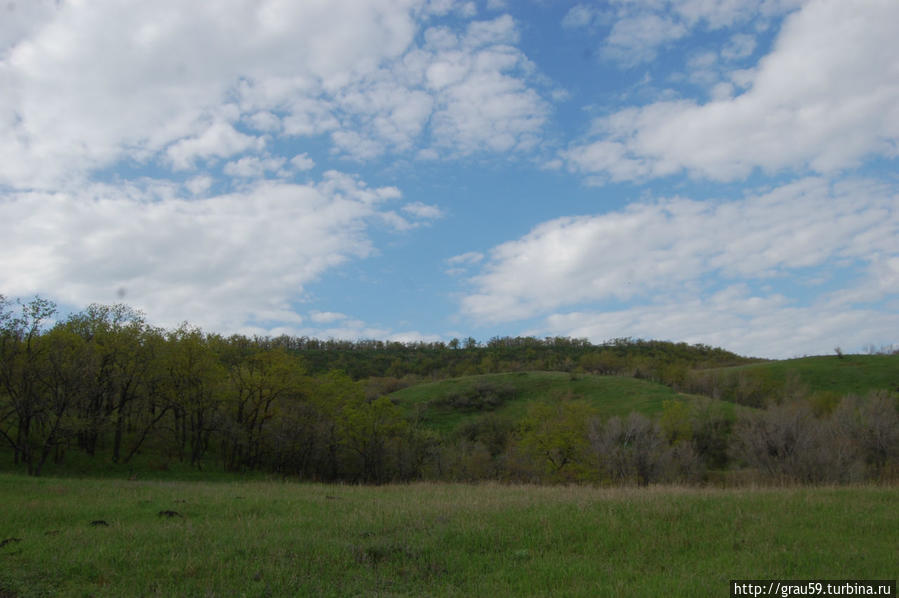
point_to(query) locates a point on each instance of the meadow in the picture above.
(445, 404)
(234, 537)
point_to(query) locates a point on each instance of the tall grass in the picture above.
(260, 538)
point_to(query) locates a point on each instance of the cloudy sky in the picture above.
(714, 171)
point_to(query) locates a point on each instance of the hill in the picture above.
(446, 404)
(823, 379)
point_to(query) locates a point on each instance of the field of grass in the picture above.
(259, 538)
(610, 395)
(851, 374)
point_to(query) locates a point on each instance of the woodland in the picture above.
(105, 388)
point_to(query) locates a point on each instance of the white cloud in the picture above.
(219, 140)
(826, 97)
(417, 214)
(471, 257)
(640, 28)
(326, 317)
(482, 100)
(579, 15)
(677, 250)
(87, 85)
(21, 19)
(414, 336)
(423, 211)
(459, 264)
(221, 262)
(749, 325)
(716, 14)
(199, 185)
(302, 162)
(98, 82)
(740, 46)
(253, 167)
(636, 39)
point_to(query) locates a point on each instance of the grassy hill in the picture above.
(825, 377)
(445, 404)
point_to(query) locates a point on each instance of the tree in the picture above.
(22, 357)
(788, 442)
(193, 385)
(634, 450)
(871, 424)
(258, 379)
(123, 351)
(556, 435)
(368, 429)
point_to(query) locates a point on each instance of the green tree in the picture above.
(370, 430)
(258, 380)
(123, 351)
(22, 358)
(193, 384)
(555, 434)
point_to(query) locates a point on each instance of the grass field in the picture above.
(285, 539)
(609, 395)
(851, 374)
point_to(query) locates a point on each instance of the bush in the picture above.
(871, 426)
(634, 450)
(788, 442)
(484, 396)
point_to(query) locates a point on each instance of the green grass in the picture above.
(609, 395)
(285, 539)
(851, 374)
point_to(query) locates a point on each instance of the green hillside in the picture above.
(445, 404)
(825, 377)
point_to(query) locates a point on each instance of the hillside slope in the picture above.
(445, 404)
(825, 377)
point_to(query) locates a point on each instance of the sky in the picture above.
(703, 171)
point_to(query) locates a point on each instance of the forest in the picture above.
(105, 386)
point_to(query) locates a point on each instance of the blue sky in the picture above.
(714, 171)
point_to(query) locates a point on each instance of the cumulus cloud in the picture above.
(825, 117)
(172, 79)
(302, 162)
(221, 262)
(746, 324)
(662, 254)
(638, 29)
(417, 214)
(206, 99)
(326, 317)
(253, 167)
(636, 39)
(423, 211)
(580, 15)
(459, 264)
(178, 84)
(740, 46)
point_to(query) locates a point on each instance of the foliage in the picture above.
(104, 389)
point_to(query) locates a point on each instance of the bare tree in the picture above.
(789, 442)
(871, 425)
(634, 450)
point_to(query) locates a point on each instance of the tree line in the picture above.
(107, 385)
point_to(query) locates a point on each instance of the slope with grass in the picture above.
(284, 539)
(827, 377)
(444, 405)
